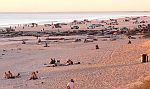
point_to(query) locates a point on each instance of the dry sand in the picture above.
(115, 64)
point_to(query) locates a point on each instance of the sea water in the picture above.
(14, 18)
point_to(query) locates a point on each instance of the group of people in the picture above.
(9, 75)
(57, 62)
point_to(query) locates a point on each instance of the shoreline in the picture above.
(91, 15)
(127, 25)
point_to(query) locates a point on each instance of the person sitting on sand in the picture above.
(39, 40)
(33, 76)
(52, 61)
(6, 76)
(97, 47)
(10, 76)
(70, 85)
(129, 37)
(85, 40)
(23, 42)
(57, 63)
(69, 62)
(129, 42)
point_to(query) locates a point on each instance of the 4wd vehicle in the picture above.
(93, 26)
(75, 27)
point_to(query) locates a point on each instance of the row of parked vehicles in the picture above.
(93, 26)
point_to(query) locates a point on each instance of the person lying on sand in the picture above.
(33, 76)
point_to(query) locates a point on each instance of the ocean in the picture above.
(14, 18)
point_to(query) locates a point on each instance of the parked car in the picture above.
(57, 25)
(75, 27)
(91, 27)
(94, 26)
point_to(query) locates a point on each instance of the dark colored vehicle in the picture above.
(57, 26)
(93, 26)
(75, 27)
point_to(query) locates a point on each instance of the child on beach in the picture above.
(70, 85)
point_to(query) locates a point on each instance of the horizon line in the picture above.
(71, 11)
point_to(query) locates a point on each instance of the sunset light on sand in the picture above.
(74, 44)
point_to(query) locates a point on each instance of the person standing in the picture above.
(70, 85)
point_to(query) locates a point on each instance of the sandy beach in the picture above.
(114, 65)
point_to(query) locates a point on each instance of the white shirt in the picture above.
(71, 85)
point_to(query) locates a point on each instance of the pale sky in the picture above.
(73, 5)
